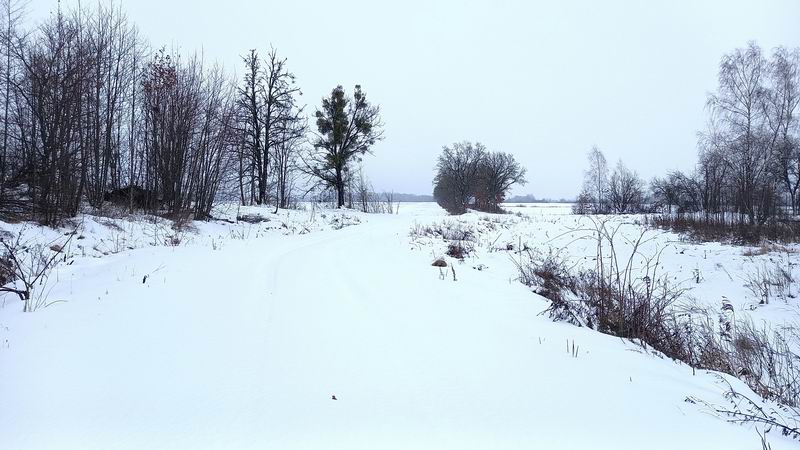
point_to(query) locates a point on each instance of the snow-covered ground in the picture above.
(710, 272)
(238, 335)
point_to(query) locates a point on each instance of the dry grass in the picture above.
(716, 228)
(653, 311)
(767, 248)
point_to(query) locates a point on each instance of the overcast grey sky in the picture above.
(542, 80)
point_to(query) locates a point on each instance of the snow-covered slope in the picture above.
(235, 341)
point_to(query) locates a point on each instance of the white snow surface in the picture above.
(241, 334)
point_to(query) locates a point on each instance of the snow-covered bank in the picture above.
(240, 341)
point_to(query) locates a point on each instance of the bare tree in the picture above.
(53, 63)
(284, 122)
(110, 41)
(251, 101)
(286, 159)
(739, 105)
(497, 173)
(596, 180)
(215, 142)
(271, 120)
(470, 176)
(625, 190)
(12, 13)
(666, 191)
(781, 104)
(82, 117)
(458, 168)
(189, 133)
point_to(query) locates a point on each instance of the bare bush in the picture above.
(583, 204)
(459, 249)
(612, 301)
(625, 190)
(27, 267)
(743, 409)
(551, 278)
(627, 294)
(615, 299)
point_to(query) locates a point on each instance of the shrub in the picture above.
(583, 204)
(7, 274)
(459, 249)
(764, 358)
(614, 299)
(630, 309)
(550, 278)
(26, 268)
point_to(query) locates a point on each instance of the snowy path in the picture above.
(243, 347)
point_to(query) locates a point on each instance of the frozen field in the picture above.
(236, 335)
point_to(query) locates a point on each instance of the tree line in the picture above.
(91, 113)
(470, 176)
(748, 167)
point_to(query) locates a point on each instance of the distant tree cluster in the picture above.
(621, 192)
(749, 160)
(469, 176)
(748, 168)
(90, 114)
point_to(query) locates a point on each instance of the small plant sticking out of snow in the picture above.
(447, 230)
(697, 275)
(461, 237)
(252, 218)
(769, 281)
(459, 249)
(574, 350)
(743, 409)
(551, 278)
(340, 221)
